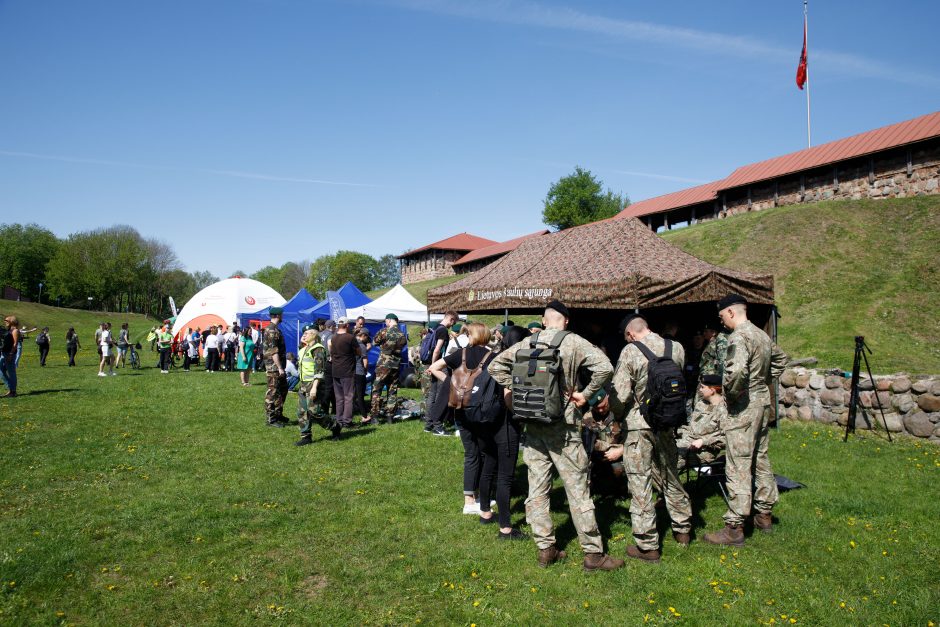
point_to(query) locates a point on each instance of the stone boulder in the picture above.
(903, 403)
(900, 385)
(802, 380)
(831, 397)
(833, 382)
(864, 383)
(883, 385)
(789, 396)
(805, 413)
(935, 388)
(928, 402)
(920, 386)
(788, 378)
(802, 398)
(817, 381)
(919, 424)
(895, 423)
(793, 413)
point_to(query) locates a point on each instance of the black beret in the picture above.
(731, 299)
(711, 379)
(626, 320)
(558, 306)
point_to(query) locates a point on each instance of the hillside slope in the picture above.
(842, 268)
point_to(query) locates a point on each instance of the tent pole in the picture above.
(776, 390)
(505, 316)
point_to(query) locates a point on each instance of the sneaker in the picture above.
(473, 508)
(456, 433)
(428, 429)
(101, 374)
(515, 534)
(277, 425)
(439, 431)
(304, 441)
(488, 521)
(113, 374)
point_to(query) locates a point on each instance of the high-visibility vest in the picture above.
(305, 359)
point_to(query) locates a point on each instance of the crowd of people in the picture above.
(541, 388)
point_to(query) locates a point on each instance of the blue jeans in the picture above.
(19, 352)
(8, 371)
(292, 382)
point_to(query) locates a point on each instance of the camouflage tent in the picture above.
(613, 264)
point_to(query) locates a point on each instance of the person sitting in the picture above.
(702, 440)
(293, 377)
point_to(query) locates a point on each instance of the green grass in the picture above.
(842, 268)
(162, 499)
(59, 319)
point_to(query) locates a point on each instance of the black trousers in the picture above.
(327, 398)
(230, 360)
(43, 353)
(359, 399)
(164, 359)
(71, 350)
(498, 445)
(212, 359)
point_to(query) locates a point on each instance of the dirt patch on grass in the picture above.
(314, 585)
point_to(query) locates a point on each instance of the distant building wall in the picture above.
(432, 264)
(473, 266)
(11, 293)
(896, 173)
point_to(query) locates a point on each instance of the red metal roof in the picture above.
(891, 136)
(462, 241)
(496, 249)
(682, 198)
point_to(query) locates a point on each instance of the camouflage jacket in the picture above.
(271, 343)
(752, 363)
(630, 379)
(705, 423)
(713, 357)
(576, 354)
(390, 343)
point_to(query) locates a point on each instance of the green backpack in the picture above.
(538, 388)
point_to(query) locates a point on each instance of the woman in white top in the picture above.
(106, 350)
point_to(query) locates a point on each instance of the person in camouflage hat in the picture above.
(558, 445)
(311, 364)
(390, 341)
(752, 364)
(700, 441)
(274, 354)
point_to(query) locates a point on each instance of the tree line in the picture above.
(118, 269)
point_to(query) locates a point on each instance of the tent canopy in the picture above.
(613, 264)
(222, 302)
(398, 301)
(291, 319)
(352, 296)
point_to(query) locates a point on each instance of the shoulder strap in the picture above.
(645, 350)
(558, 339)
(533, 340)
(463, 358)
(668, 352)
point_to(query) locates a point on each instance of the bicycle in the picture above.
(133, 357)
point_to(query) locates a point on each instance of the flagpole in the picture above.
(809, 140)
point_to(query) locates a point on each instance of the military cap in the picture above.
(391, 316)
(330, 324)
(731, 299)
(626, 320)
(309, 327)
(343, 321)
(558, 306)
(503, 329)
(456, 328)
(276, 311)
(535, 325)
(711, 379)
(433, 325)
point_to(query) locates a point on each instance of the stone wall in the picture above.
(429, 265)
(911, 404)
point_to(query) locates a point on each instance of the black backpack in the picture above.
(664, 406)
(484, 403)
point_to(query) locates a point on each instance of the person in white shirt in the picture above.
(106, 349)
(212, 350)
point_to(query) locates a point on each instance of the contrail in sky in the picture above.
(232, 173)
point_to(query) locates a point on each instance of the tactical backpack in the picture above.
(664, 406)
(427, 348)
(484, 403)
(462, 381)
(538, 388)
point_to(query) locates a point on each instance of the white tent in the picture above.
(397, 301)
(219, 303)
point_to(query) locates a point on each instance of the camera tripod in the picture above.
(860, 348)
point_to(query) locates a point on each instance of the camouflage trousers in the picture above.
(384, 377)
(309, 411)
(559, 446)
(646, 453)
(275, 395)
(750, 479)
(424, 379)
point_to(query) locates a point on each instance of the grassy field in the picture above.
(59, 319)
(151, 499)
(844, 268)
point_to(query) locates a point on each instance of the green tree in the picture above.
(293, 278)
(270, 276)
(24, 253)
(203, 279)
(330, 272)
(389, 271)
(579, 199)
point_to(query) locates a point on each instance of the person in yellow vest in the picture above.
(311, 365)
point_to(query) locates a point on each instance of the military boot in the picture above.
(636, 552)
(601, 561)
(304, 441)
(549, 556)
(682, 538)
(731, 535)
(764, 522)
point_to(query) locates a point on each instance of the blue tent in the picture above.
(352, 296)
(292, 320)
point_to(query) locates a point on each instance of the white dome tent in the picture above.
(398, 301)
(221, 302)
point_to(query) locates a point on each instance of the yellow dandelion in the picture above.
(533, 589)
(727, 606)
(586, 605)
(852, 544)
(60, 614)
(792, 621)
(476, 604)
(474, 574)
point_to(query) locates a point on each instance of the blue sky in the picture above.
(254, 132)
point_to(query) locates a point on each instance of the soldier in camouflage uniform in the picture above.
(645, 449)
(390, 341)
(751, 365)
(601, 432)
(702, 439)
(274, 353)
(713, 356)
(422, 376)
(311, 364)
(558, 445)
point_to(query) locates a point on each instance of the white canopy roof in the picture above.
(221, 302)
(397, 301)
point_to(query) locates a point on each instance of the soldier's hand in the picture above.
(603, 407)
(578, 399)
(695, 445)
(614, 453)
(507, 398)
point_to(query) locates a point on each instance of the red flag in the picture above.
(801, 68)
